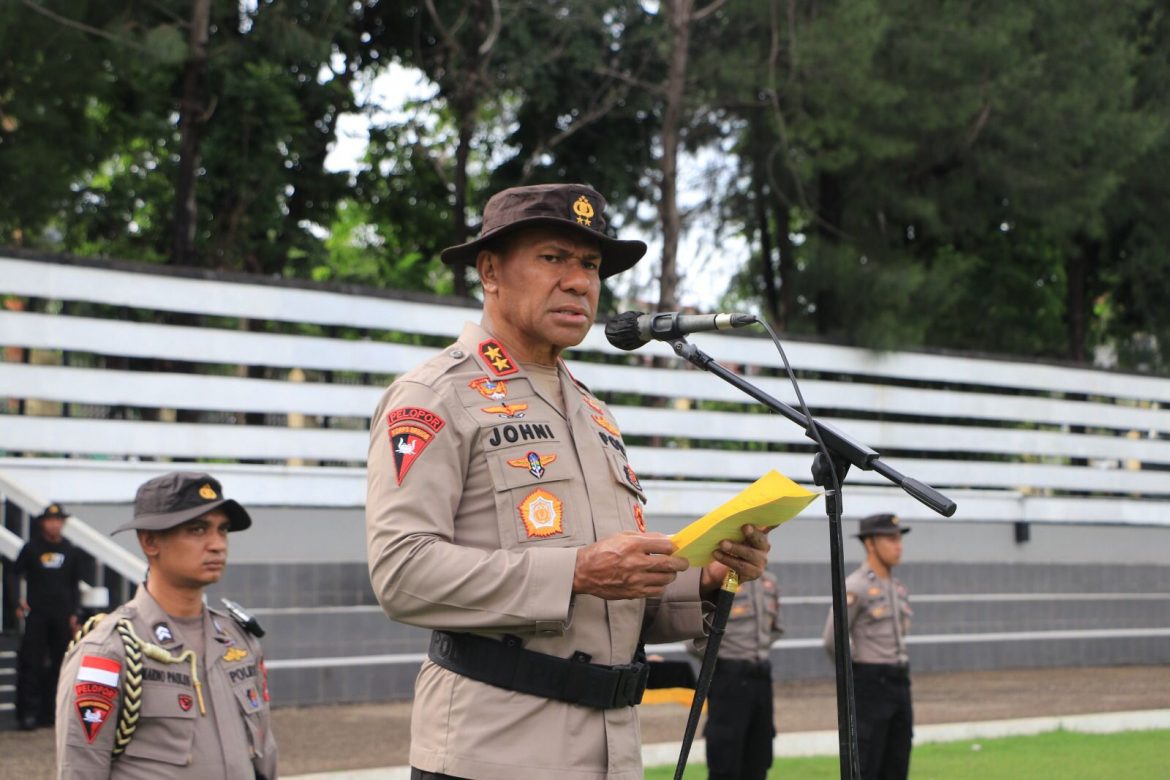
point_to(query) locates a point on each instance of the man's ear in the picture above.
(148, 541)
(487, 263)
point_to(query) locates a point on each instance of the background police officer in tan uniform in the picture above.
(504, 514)
(740, 725)
(879, 620)
(164, 686)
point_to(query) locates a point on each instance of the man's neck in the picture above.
(176, 602)
(879, 568)
(517, 346)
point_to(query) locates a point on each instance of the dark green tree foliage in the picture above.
(947, 166)
(98, 154)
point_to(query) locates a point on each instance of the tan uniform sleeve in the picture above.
(84, 751)
(854, 604)
(419, 573)
(678, 615)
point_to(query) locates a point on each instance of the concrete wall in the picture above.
(1071, 595)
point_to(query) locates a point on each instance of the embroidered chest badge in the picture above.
(513, 411)
(496, 358)
(185, 702)
(492, 389)
(631, 477)
(534, 462)
(542, 514)
(411, 430)
(235, 654)
(607, 425)
(639, 518)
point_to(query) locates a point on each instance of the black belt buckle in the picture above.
(631, 684)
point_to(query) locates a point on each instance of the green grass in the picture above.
(1132, 755)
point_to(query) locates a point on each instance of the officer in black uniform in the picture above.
(51, 567)
(740, 719)
(879, 620)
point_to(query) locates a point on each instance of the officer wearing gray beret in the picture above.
(879, 620)
(164, 686)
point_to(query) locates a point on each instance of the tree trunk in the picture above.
(767, 267)
(679, 16)
(787, 266)
(459, 231)
(191, 121)
(1077, 267)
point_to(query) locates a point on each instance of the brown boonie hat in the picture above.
(172, 499)
(52, 510)
(574, 206)
(881, 525)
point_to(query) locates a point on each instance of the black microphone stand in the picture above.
(843, 452)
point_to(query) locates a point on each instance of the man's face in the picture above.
(541, 291)
(888, 549)
(51, 528)
(191, 555)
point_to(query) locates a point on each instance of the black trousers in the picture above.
(46, 635)
(739, 728)
(885, 720)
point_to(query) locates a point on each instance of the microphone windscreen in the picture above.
(622, 331)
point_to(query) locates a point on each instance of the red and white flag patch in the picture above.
(103, 671)
(412, 429)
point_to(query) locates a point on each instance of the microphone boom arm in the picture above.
(838, 442)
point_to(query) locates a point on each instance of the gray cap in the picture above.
(172, 499)
(881, 525)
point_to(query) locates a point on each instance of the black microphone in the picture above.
(632, 329)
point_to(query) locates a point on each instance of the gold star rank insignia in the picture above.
(496, 359)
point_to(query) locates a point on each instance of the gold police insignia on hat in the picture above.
(584, 211)
(894, 520)
(54, 509)
(208, 492)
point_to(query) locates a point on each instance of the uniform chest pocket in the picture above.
(166, 725)
(533, 505)
(742, 606)
(255, 712)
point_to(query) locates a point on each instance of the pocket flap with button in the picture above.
(625, 475)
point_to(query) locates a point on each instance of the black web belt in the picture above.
(506, 664)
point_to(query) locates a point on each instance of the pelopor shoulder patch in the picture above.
(411, 429)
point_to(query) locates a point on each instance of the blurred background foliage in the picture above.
(889, 173)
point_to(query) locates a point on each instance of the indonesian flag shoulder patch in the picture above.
(94, 693)
(411, 429)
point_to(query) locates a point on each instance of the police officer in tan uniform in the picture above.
(164, 686)
(740, 725)
(504, 514)
(879, 620)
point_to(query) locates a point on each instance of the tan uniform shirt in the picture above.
(233, 740)
(753, 623)
(879, 618)
(481, 487)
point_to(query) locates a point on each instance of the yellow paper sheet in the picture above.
(769, 501)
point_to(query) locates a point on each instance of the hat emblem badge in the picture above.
(584, 211)
(208, 492)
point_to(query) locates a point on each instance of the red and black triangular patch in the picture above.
(412, 429)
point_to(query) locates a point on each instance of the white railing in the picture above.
(1008, 439)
